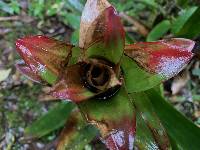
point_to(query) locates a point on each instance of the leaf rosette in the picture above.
(102, 74)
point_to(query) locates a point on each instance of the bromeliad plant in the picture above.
(113, 84)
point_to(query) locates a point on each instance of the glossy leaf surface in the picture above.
(79, 140)
(159, 30)
(184, 132)
(144, 138)
(92, 10)
(76, 133)
(106, 33)
(114, 117)
(145, 109)
(191, 27)
(26, 70)
(45, 56)
(165, 58)
(178, 24)
(136, 78)
(52, 120)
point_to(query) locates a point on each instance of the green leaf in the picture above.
(51, 121)
(15, 6)
(76, 53)
(80, 138)
(76, 4)
(71, 19)
(196, 72)
(48, 76)
(178, 24)
(75, 37)
(37, 9)
(184, 132)
(6, 8)
(191, 28)
(144, 138)
(151, 3)
(137, 79)
(159, 30)
(145, 108)
(76, 133)
(182, 2)
(85, 135)
(112, 114)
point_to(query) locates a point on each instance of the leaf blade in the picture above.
(45, 56)
(178, 24)
(51, 121)
(191, 28)
(114, 117)
(145, 108)
(101, 33)
(159, 30)
(165, 57)
(76, 133)
(134, 73)
(168, 115)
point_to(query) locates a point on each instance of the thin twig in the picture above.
(22, 18)
(4, 31)
(137, 25)
(10, 18)
(130, 29)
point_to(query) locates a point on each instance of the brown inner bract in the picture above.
(98, 74)
(99, 77)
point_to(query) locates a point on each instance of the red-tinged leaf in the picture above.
(114, 117)
(165, 58)
(25, 70)
(136, 78)
(108, 37)
(123, 138)
(45, 56)
(93, 9)
(105, 34)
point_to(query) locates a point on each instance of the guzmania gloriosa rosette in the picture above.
(102, 74)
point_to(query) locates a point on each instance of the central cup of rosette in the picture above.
(99, 76)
